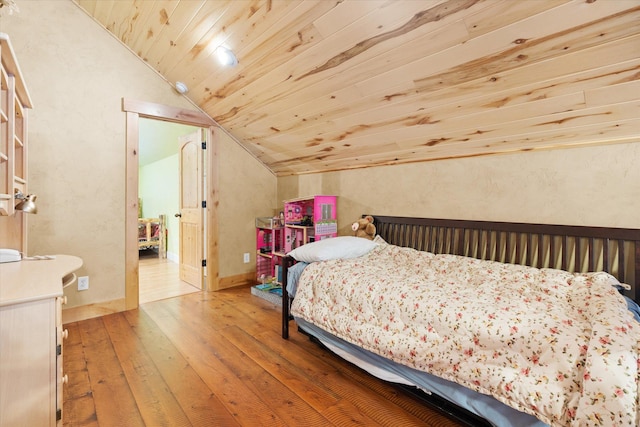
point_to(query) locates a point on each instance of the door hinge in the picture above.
(204, 203)
(204, 145)
(58, 414)
(204, 262)
(58, 349)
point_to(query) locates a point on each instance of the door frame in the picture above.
(134, 110)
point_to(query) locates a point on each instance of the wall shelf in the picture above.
(14, 105)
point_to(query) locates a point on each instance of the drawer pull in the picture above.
(65, 379)
(65, 334)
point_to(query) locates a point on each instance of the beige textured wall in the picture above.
(594, 186)
(77, 75)
(247, 190)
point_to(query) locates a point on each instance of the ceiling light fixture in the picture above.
(226, 56)
(181, 88)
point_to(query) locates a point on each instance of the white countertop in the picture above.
(30, 280)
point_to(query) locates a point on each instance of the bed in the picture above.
(495, 323)
(152, 234)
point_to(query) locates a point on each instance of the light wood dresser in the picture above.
(31, 335)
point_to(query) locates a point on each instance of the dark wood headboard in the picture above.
(566, 247)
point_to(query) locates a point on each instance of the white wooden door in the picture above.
(191, 209)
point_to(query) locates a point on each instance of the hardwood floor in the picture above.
(160, 278)
(217, 359)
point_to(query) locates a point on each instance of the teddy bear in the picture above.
(364, 227)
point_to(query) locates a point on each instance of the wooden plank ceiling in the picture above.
(330, 85)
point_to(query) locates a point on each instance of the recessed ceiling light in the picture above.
(226, 56)
(181, 88)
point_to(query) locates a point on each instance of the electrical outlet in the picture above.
(247, 258)
(83, 283)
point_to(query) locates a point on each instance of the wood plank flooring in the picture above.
(217, 359)
(159, 278)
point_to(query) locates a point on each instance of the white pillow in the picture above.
(333, 248)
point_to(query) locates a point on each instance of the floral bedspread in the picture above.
(560, 346)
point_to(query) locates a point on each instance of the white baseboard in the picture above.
(173, 257)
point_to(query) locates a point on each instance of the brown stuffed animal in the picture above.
(364, 227)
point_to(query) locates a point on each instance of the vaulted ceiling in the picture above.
(329, 85)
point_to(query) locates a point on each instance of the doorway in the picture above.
(159, 196)
(136, 110)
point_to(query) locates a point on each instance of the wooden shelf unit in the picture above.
(14, 105)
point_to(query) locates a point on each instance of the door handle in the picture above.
(178, 215)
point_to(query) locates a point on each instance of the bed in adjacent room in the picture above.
(152, 234)
(502, 323)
